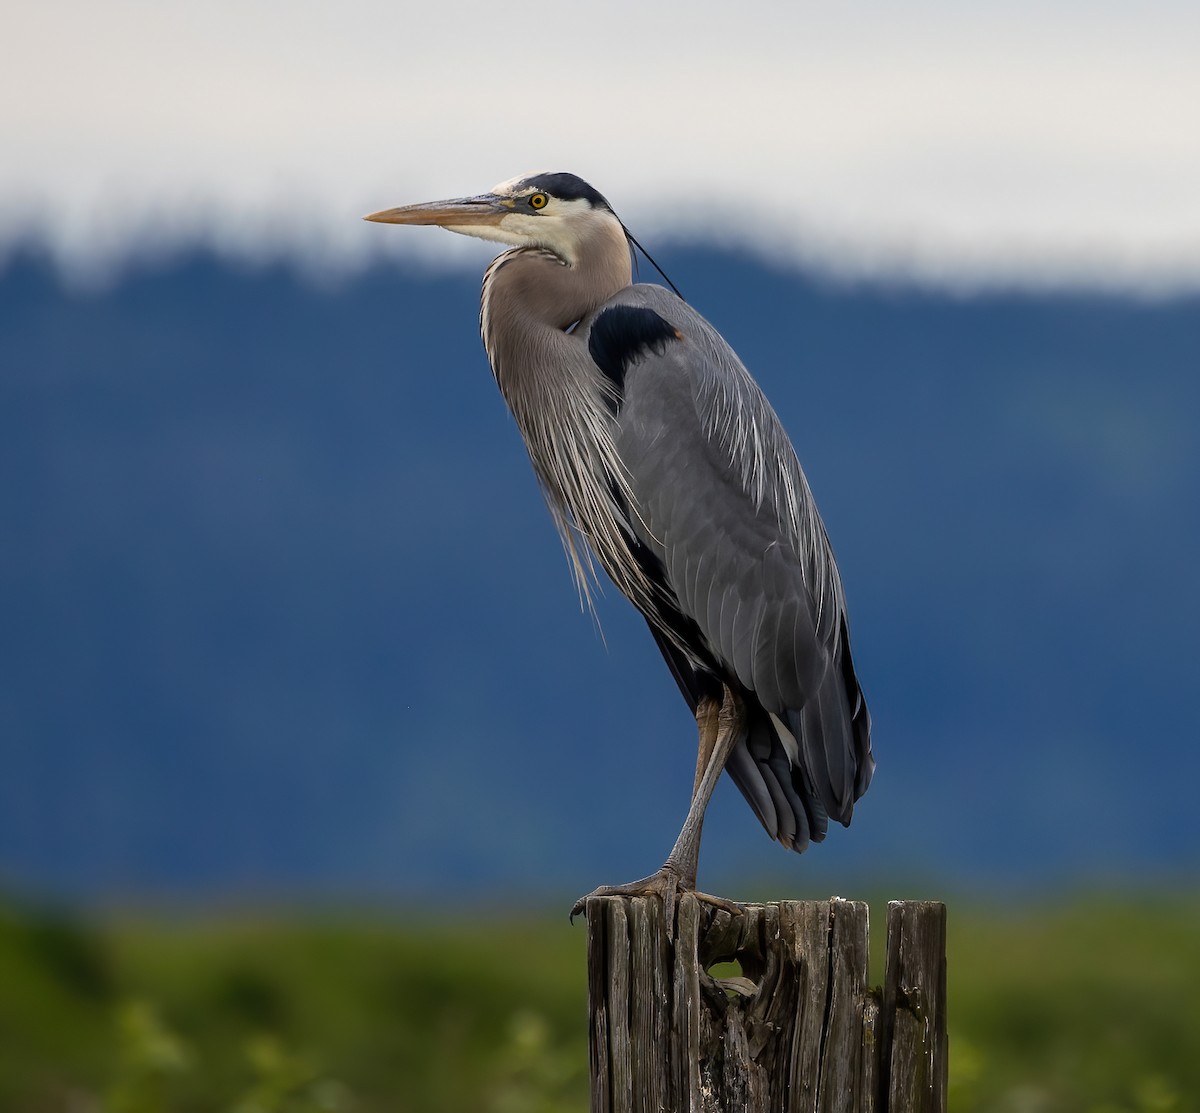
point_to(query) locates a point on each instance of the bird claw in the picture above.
(666, 884)
(730, 906)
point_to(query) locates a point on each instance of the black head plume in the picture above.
(635, 247)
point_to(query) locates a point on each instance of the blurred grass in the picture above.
(1091, 1004)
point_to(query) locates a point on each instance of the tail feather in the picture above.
(762, 762)
(749, 778)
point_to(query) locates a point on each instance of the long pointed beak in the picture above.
(487, 208)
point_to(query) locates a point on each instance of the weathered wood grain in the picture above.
(597, 951)
(869, 1060)
(914, 1008)
(621, 1057)
(797, 1030)
(849, 960)
(806, 932)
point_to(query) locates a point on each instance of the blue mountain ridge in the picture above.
(281, 610)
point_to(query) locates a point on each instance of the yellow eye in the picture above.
(538, 201)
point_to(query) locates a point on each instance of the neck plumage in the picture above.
(560, 398)
(531, 296)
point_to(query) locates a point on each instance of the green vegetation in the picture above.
(1089, 1005)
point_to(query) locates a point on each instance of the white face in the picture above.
(519, 213)
(537, 219)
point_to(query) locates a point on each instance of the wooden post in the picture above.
(798, 1030)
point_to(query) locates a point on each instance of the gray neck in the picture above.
(559, 397)
(531, 297)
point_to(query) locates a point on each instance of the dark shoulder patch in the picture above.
(622, 333)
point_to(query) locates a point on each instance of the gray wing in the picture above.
(726, 513)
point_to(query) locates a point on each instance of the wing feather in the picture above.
(723, 508)
(749, 778)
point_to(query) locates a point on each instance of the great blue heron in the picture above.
(659, 456)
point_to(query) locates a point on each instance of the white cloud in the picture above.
(1045, 141)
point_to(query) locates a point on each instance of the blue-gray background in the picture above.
(281, 611)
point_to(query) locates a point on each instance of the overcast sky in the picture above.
(1043, 140)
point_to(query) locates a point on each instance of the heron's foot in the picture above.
(667, 884)
(730, 906)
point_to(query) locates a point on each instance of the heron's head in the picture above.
(557, 212)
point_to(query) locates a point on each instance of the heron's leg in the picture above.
(720, 727)
(684, 858)
(708, 712)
